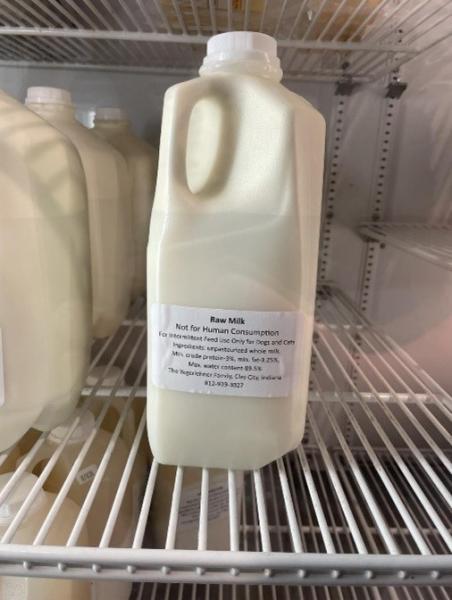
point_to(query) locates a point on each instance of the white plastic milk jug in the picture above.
(109, 214)
(113, 125)
(45, 299)
(31, 588)
(232, 261)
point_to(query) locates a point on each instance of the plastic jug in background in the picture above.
(232, 261)
(112, 124)
(98, 514)
(109, 214)
(45, 300)
(218, 530)
(31, 588)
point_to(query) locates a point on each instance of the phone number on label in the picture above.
(224, 384)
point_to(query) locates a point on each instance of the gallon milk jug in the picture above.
(112, 124)
(109, 214)
(45, 299)
(218, 530)
(31, 588)
(98, 514)
(232, 260)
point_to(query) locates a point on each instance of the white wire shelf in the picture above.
(364, 501)
(429, 242)
(318, 39)
(194, 592)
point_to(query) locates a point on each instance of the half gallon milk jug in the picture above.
(45, 299)
(31, 588)
(98, 514)
(232, 261)
(109, 214)
(112, 124)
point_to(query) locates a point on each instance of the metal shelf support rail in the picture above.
(316, 40)
(371, 510)
(429, 242)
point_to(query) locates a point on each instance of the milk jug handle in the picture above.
(184, 105)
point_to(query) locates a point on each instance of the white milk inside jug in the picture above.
(112, 124)
(108, 208)
(98, 514)
(218, 529)
(31, 588)
(232, 260)
(45, 300)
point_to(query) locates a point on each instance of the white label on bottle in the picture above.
(87, 474)
(223, 352)
(2, 373)
(218, 502)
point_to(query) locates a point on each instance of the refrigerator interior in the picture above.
(364, 503)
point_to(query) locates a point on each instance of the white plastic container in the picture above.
(98, 514)
(232, 261)
(112, 124)
(31, 588)
(45, 299)
(109, 211)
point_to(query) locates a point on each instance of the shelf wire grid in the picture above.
(210, 592)
(318, 39)
(371, 508)
(432, 243)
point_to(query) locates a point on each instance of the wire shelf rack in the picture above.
(429, 242)
(192, 592)
(365, 500)
(318, 39)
